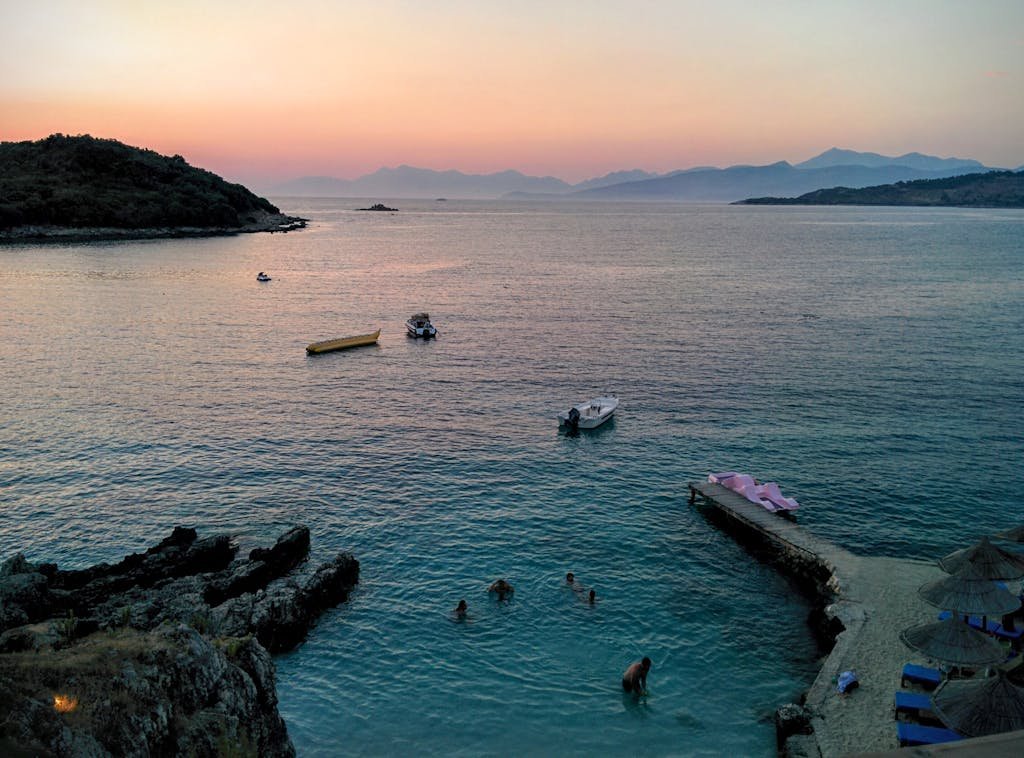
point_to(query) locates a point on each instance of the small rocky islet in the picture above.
(167, 652)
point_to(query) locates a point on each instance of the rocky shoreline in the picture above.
(37, 233)
(165, 653)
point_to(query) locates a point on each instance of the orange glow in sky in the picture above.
(260, 91)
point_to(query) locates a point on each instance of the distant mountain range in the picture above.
(833, 168)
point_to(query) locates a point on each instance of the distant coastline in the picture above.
(31, 234)
(994, 189)
(71, 189)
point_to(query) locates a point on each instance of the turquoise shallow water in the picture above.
(870, 360)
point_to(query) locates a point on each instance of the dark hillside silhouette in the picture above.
(994, 189)
(85, 182)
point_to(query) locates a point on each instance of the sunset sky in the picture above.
(265, 90)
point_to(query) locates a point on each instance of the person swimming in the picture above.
(634, 679)
(502, 588)
(461, 609)
(570, 581)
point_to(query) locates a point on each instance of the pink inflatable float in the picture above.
(767, 495)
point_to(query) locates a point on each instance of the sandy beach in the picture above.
(879, 600)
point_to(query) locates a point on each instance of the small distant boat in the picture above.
(261, 277)
(590, 414)
(343, 343)
(420, 326)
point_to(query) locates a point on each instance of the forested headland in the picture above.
(993, 189)
(82, 186)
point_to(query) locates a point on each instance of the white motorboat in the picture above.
(420, 326)
(590, 414)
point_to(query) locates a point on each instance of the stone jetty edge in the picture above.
(166, 652)
(859, 606)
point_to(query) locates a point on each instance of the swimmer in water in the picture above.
(635, 677)
(502, 588)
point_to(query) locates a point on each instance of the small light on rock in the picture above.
(64, 703)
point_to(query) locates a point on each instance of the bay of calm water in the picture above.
(869, 360)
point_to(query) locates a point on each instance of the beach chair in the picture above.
(922, 675)
(916, 706)
(1014, 635)
(915, 734)
(972, 621)
(992, 626)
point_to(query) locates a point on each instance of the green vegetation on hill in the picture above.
(85, 182)
(995, 189)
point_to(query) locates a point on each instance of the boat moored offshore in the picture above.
(590, 414)
(419, 326)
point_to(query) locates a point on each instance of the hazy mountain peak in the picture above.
(836, 156)
(410, 181)
(616, 177)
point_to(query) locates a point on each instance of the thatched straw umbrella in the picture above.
(978, 707)
(969, 592)
(954, 642)
(990, 561)
(1013, 535)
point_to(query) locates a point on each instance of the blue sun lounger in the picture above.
(912, 703)
(915, 734)
(926, 677)
(992, 626)
(916, 706)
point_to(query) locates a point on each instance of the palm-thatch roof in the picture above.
(1013, 535)
(969, 592)
(991, 561)
(978, 707)
(954, 642)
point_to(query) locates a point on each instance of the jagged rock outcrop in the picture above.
(168, 692)
(280, 616)
(164, 653)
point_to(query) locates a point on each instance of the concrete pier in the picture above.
(868, 602)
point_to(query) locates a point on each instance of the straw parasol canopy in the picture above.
(1013, 535)
(991, 561)
(954, 642)
(970, 592)
(978, 707)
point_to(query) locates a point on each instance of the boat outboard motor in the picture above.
(574, 419)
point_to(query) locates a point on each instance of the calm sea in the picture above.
(869, 360)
